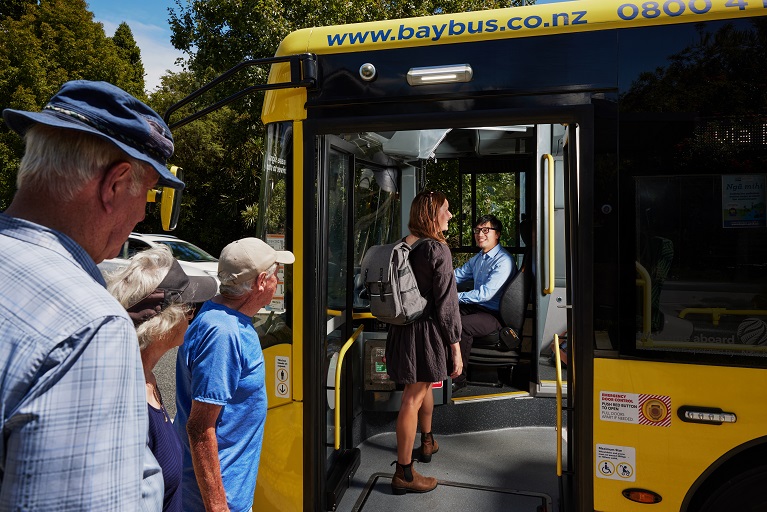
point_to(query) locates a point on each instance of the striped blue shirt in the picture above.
(490, 271)
(72, 399)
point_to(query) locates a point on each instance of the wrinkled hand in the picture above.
(457, 361)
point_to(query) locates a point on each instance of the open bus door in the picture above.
(563, 296)
(339, 352)
(575, 391)
(550, 289)
(363, 190)
(556, 238)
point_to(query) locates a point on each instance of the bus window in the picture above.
(700, 255)
(273, 321)
(377, 206)
(338, 168)
(498, 194)
(694, 180)
(497, 187)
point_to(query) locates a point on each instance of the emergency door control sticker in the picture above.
(635, 408)
(282, 376)
(616, 462)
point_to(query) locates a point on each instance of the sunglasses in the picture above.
(484, 231)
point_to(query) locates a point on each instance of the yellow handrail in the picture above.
(552, 253)
(339, 365)
(557, 362)
(355, 316)
(719, 347)
(646, 283)
(717, 313)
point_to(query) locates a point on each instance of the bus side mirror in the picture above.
(170, 201)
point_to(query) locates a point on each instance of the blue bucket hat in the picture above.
(110, 113)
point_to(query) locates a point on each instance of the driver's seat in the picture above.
(506, 342)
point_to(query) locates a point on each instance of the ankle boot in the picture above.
(428, 447)
(406, 478)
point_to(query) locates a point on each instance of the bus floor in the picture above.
(494, 455)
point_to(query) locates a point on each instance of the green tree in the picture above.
(128, 51)
(220, 167)
(14, 8)
(45, 44)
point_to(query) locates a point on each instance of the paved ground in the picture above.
(165, 372)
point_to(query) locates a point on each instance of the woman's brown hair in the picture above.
(424, 215)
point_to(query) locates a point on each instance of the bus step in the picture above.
(342, 474)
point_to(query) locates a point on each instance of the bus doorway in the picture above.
(367, 179)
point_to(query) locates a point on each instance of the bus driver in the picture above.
(490, 269)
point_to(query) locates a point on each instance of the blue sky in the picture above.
(148, 19)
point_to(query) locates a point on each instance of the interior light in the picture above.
(440, 74)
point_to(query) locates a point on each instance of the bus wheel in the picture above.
(743, 492)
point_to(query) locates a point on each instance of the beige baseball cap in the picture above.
(246, 258)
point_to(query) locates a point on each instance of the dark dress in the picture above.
(166, 447)
(419, 352)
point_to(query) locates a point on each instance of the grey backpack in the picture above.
(391, 285)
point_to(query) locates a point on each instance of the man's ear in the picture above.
(261, 281)
(116, 180)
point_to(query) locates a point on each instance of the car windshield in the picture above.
(185, 251)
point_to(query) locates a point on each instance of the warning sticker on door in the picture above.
(638, 408)
(282, 376)
(616, 462)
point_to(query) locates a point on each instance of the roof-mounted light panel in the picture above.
(430, 75)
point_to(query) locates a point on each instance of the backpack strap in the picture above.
(415, 244)
(412, 248)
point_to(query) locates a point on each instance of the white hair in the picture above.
(61, 162)
(238, 290)
(131, 284)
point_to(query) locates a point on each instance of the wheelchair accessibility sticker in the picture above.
(616, 462)
(635, 408)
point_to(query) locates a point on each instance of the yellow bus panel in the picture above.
(639, 439)
(527, 21)
(280, 474)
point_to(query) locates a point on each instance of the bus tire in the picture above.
(744, 491)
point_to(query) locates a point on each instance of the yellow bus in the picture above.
(631, 139)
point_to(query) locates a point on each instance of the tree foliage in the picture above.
(220, 166)
(129, 52)
(721, 72)
(44, 44)
(220, 33)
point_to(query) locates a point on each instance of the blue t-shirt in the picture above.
(221, 363)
